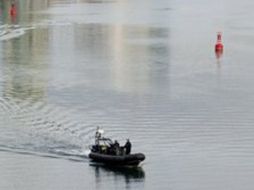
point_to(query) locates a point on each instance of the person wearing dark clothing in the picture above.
(116, 144)
(127, 147)
(116, 148)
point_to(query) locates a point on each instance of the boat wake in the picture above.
(8, 32)
(42, 130)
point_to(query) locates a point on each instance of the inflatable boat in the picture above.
(106, 152)
(118, 160)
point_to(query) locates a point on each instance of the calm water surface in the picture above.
(144, 70)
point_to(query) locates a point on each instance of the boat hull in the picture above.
(113, 160)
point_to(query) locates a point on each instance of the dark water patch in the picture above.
(130, 174)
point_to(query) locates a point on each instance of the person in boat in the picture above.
(116, 147)
(96, 147)
(97, 136)
(127, 147)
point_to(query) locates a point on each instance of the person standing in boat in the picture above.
(97, 136)
(116, 148)
(127, 147)
(96, 147)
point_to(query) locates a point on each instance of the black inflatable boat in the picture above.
(118, 160)
(104, 151)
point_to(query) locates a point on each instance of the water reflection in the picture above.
(32, 5)
(139, 54)
(218, 54)
(24, 10)
(25, 67)
(135, 174)
(131, 59)
(9, 14)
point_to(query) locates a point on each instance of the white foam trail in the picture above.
(86, 153)
(13, 31)
(3, 32)
(10, 34)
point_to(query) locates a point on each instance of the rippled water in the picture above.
(144, 70)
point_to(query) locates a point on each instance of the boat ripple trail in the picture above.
(8, 32)
(43, 129)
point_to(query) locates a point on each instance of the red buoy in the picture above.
(219, 45)
(13, 10)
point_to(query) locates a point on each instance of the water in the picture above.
(144, 70)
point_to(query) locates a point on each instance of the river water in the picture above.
(144, 70)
